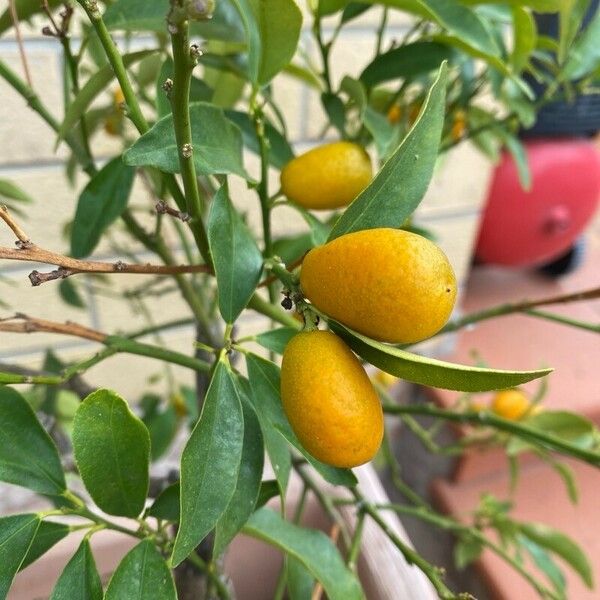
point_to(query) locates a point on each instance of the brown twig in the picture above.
(15, 19)
(16, 229)
(162, 208)
(21, 323)
(519, 307)
(67, 266)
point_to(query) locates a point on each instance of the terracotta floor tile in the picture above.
(541, 497)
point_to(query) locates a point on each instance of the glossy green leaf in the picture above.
(92, 89)
(430, 371)
(276, 339)
(247, 14)
(69, 293)
(47, 535)
(541, 6)
(217, 144)
(237, 260)
(269, 412)
(16, 534)
(461, 22)
(304, 75)
(386, 138)
(405, 62)
(466, 551)
(545, 563)
(143, 573)
(210, 462)
(265, 383)
(319, 231)
(167, 505)
(565, 425)
(280, 151)
(28, 456)
(161, 423)
(101, 202)
(400, 185)
(300, 583)
(328, 7)
(584, 55)
(312, 548)
(293, 247)
(244, 499)
(25, 10)
(228, 87)
(112, 452)
(335, 111)
(141, 15)
(279, 23)
(525, 37)
(13, 192)
(562, 546)
(519, 155)
(268, 489)
(80, 579)
(570, 18)
(354, 10)
(566, 474)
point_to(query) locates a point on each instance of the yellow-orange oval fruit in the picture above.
(388, 284)
(394, 114)
(459, 126)
(329, 400)
(328, 176)
(511, 404)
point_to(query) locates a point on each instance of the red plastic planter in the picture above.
(526, 228)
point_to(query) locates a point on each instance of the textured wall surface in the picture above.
(28, 157)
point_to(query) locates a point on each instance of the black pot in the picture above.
(580, 117)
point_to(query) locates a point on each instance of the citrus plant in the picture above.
(357, 287)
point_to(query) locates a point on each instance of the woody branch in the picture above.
(27, 251)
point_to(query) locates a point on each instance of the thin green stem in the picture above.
(14, 378)
(542, 314)
(222, 590)
(81, 510)
(38, 106)
(516, 307)
(535, 436)
(324, 50)
(183, 65)
(356, 540)
(129, 346)
(289, 280)
(116, 61)
(263, 185)
(71, 62)
(433, 573)
(381, 31)
(325, 501)
(448, 524)
(397, 480)
(134, 111)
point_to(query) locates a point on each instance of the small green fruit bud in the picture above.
(199, 10)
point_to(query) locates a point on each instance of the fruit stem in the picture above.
(289, 280)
